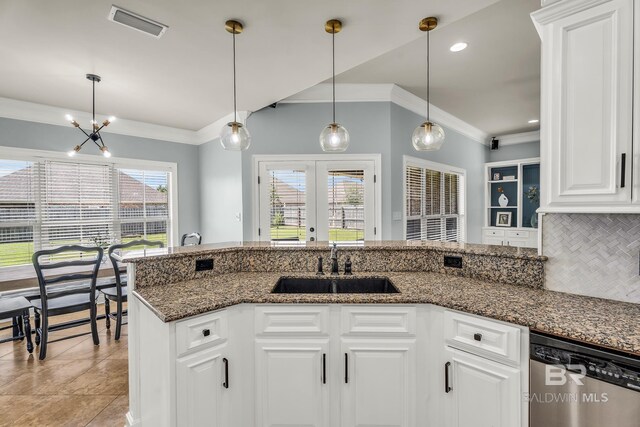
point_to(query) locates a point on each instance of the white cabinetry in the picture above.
(482, 393)
(587, 122)
(485, 372)
(203, 389)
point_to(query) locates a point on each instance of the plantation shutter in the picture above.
(76, 203)
(17, 212)
(433, 204)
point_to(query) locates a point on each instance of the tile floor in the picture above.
(78, 384)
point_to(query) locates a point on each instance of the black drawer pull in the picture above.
(447, 389)
(477, 336)
(225, 384)
(206, 332)
(623, 170)
(324, 368)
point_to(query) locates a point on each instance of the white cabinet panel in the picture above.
(290, 383)
(483, 393)
(379, 383)
(587, 104)
(202, 399)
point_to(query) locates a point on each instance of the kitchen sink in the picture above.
(334, 285)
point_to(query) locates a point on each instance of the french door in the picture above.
(322, 200)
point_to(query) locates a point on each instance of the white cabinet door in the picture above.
(202, 397)
(291, 383)
(482, 393)
(587, 90)
(379, 383)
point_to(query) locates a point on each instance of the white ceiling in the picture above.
(183, 80)
(493, 85)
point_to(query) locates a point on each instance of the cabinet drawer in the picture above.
(499, 233)
(520, 234)
(201, 331)
(292, 320)
(487, 338)
(378, 320)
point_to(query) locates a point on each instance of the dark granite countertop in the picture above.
(467, 248)
(605, 323)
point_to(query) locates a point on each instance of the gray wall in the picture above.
(220, 193)
(24, 134)
(458, 150)
(295, 129)
(515, 152)
(374, 127)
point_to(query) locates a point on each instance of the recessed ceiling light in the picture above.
(532, 121)
(457, 47)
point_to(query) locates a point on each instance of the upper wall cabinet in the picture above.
(587, 117)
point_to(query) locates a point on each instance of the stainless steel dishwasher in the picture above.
(575, 385)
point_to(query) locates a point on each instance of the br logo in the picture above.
(559, 375)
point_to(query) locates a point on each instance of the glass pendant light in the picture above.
(334, 138)
(428, 136)
(234, 135)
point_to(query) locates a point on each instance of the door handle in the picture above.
(447, 389)
(346, 368)
(324, 368)
(623, 171)
(225, 384)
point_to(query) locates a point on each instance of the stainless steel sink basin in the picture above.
(334, 285)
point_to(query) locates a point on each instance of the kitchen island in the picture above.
(216, 344)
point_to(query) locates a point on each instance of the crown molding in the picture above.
(384, 92)
(519, 138)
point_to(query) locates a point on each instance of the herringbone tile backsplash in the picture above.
(593, 254)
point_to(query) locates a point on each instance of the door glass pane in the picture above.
(346, 205)
(287, 204)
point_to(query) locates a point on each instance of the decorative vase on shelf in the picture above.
(534, 220)
(503, 201)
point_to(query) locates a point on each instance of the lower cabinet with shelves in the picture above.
(349, 366)
(518, 237)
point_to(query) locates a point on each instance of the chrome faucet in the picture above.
(334, 260)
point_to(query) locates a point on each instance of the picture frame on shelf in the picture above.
(496, 176)
(503, 219)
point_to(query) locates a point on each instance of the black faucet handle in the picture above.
(320, 272)
(347, 266)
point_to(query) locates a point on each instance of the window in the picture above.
(46, 203)
(434, 201)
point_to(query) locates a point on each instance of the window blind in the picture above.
(433, 204)
(287, 205)
(17, 212)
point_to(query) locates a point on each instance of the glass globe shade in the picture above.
(235, 137)
(334, 138)
(427, 137)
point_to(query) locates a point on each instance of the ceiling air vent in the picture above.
(137, 22)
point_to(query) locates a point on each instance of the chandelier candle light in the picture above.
(334, 138)
(428, 136)
(95, 127)
(234, 136)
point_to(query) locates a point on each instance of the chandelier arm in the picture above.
(83, 131)
(84, 142)
(101, 141)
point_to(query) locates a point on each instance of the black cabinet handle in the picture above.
(225, 384)
(447, 389)
(346, 368)
(623, 170)
(477, 336)
(324, 368)
(206, 332)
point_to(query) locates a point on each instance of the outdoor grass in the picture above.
(19, 253)
(335, 234)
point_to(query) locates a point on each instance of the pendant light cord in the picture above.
(428, 105)
(333, 68)
(235, 109)
(94, 106)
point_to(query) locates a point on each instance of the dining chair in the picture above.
(61, 265)
(17, 308)
(118, 293)
(191, 239)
